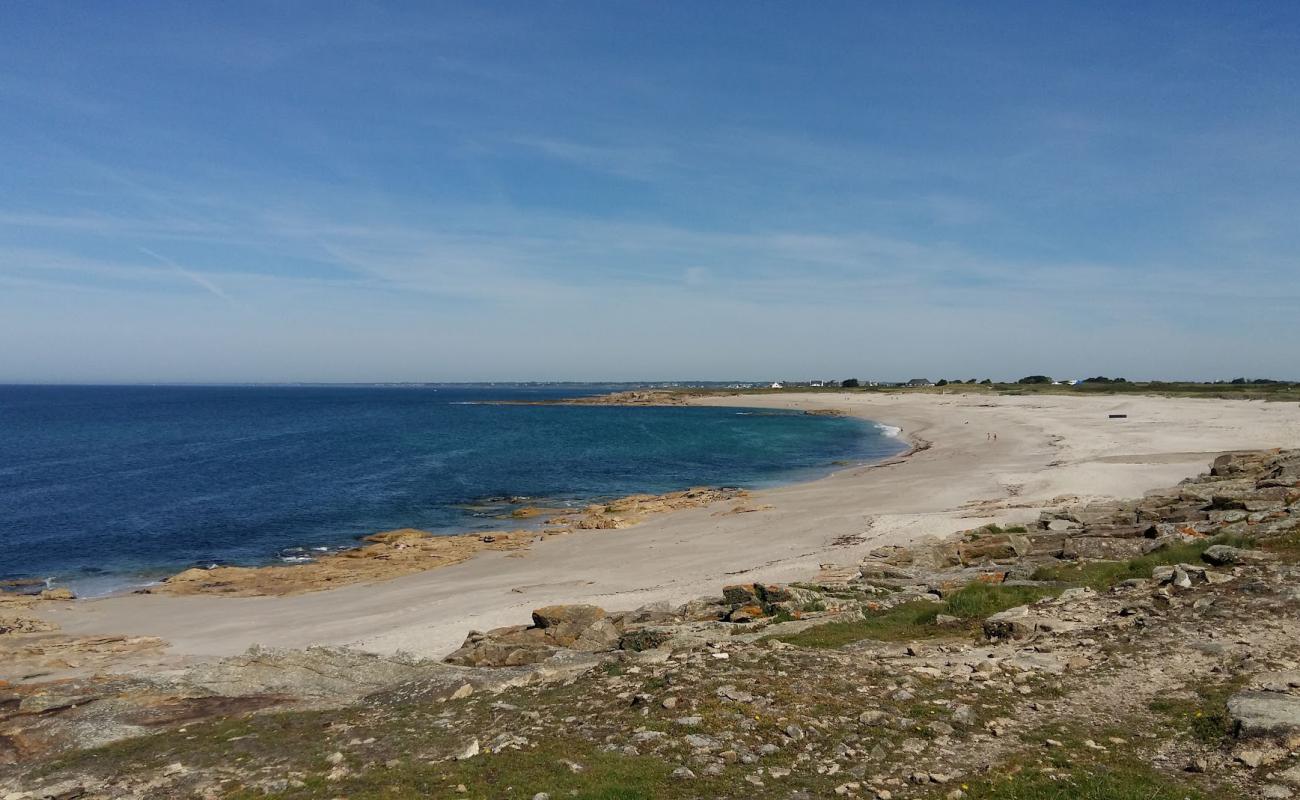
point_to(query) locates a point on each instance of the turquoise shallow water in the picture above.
(102, 487)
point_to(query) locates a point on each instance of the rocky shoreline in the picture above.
(401, 552)
(1154, 642)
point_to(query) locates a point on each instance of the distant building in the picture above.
(919, 382)
(778, 385)
(818, 384)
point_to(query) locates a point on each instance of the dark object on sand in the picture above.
(1119, 416)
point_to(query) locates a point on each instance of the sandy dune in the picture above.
(1047, 447)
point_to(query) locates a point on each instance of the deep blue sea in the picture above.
(106, 487)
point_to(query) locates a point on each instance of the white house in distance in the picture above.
(778, 385)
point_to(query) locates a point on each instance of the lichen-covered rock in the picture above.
(1023, 622)
(1100, 548)
(583, 628)
(643, 639)
(1221, 555)
(740, 594)
(1264, 713)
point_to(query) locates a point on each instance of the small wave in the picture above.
(889, 430)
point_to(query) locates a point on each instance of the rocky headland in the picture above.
(394, 553)
(1121, 649)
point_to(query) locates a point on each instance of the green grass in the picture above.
(604, 776)
(1102, 575)
(1204, 717)
(900, 623)
(916, 620)
(979, 600)
(1128, 782)
(994, 528)
(1287, 546)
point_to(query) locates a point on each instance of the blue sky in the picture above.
(605, 190)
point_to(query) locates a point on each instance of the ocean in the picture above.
(103, 488)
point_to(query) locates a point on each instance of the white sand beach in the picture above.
(1047, 447)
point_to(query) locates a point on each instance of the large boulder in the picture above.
(579, 627)
(740, 594)
(565, 627)
(1221, 555)
(992, 548)
(1098, 548)
(774, 594)
(1023, 622)
(1256, 713)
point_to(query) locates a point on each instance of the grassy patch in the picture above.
(911, 621)
(1112, 782)
(291, 734)
(1286, 546)
(900, 623)
(994, 528)
(601, 776)
(1102, 575)
(1203, 717)
(979, 600)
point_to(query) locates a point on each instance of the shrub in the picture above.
(1035, 379)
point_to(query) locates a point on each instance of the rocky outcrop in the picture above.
(401, 552)
(589, 629)
(635, 397)
(1264, 713)
(573, 627)
(381, 556)
(628, 511)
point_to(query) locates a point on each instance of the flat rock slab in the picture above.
(1264, 713)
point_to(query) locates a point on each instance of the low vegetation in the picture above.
(1202, 714)
(1109, 782)
(920, 620)
(1102, 575)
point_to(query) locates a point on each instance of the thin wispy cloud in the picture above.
(195, 278)
(443, 192)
